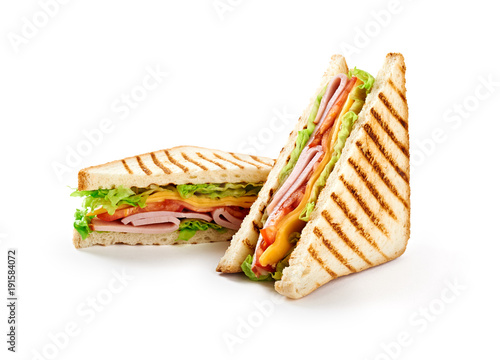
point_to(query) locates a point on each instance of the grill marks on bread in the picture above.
(375, 165)
(182, 164)
(165, 169)
(395, 88)
(142, 166)
(353, 220)
(372, 188)
(391, 109)
(187, 158)
(175, 162)
(373, 136)
(211, 161)
(245, 161)
(364, 205)
(314, 254)
(383, 124)
(352, 245)
(259, 160)
(229, 161)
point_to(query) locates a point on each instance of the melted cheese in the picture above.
(291, 222)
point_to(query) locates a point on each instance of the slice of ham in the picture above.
(223, 218)
(339, 82)
(335, 87)
(117, 226)
(157, 217)
(299, 177)
(304, 159)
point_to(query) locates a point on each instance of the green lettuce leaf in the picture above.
(217, 191)
(306, 212)
(109, 199)
(247, 269)
(189, 227)
(366, 78)
(278, 273)
(82, 222)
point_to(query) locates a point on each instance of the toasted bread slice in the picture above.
(117, 238)
(245, 240)
(178, 165)
(362, 217)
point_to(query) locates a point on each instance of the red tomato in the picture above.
(167, 205)
(237, 212)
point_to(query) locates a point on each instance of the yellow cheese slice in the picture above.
(291, 222)
(202, 202)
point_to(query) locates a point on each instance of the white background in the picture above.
(230, 71)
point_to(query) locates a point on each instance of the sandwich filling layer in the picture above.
(186, 208)
(317, 149)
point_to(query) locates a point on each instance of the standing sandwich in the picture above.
(337, 200)
(180, 195)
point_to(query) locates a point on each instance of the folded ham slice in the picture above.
(338, 83)
(335, 87)
(157, 217)
(291, 182)
(118, 226)
(223, 218)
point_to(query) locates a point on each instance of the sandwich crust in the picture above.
(117, 238)
(178, 165)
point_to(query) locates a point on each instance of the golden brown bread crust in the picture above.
(178, 165)
(116, 238)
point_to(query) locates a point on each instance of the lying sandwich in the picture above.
(337, 201)
(180, 195)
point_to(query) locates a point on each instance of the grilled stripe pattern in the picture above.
(389, 132)
(374, 137)
(371, 187)
(165, 169)
(211, 161)
(378, 169)
(126, 167)
(229, 161)
(175, 162)
(143, 166)
(315, 256)
(187, 158)
(335, 252)
(394, 113)
(245, 161)
(259, 160)
(354, 221)
(362, 203)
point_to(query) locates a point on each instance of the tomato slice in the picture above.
(237, 212)
(167, 205)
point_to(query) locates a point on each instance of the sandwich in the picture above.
(337, 200)
(183, 195)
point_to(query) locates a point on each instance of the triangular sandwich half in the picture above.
(357, 214)
(182, 195)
